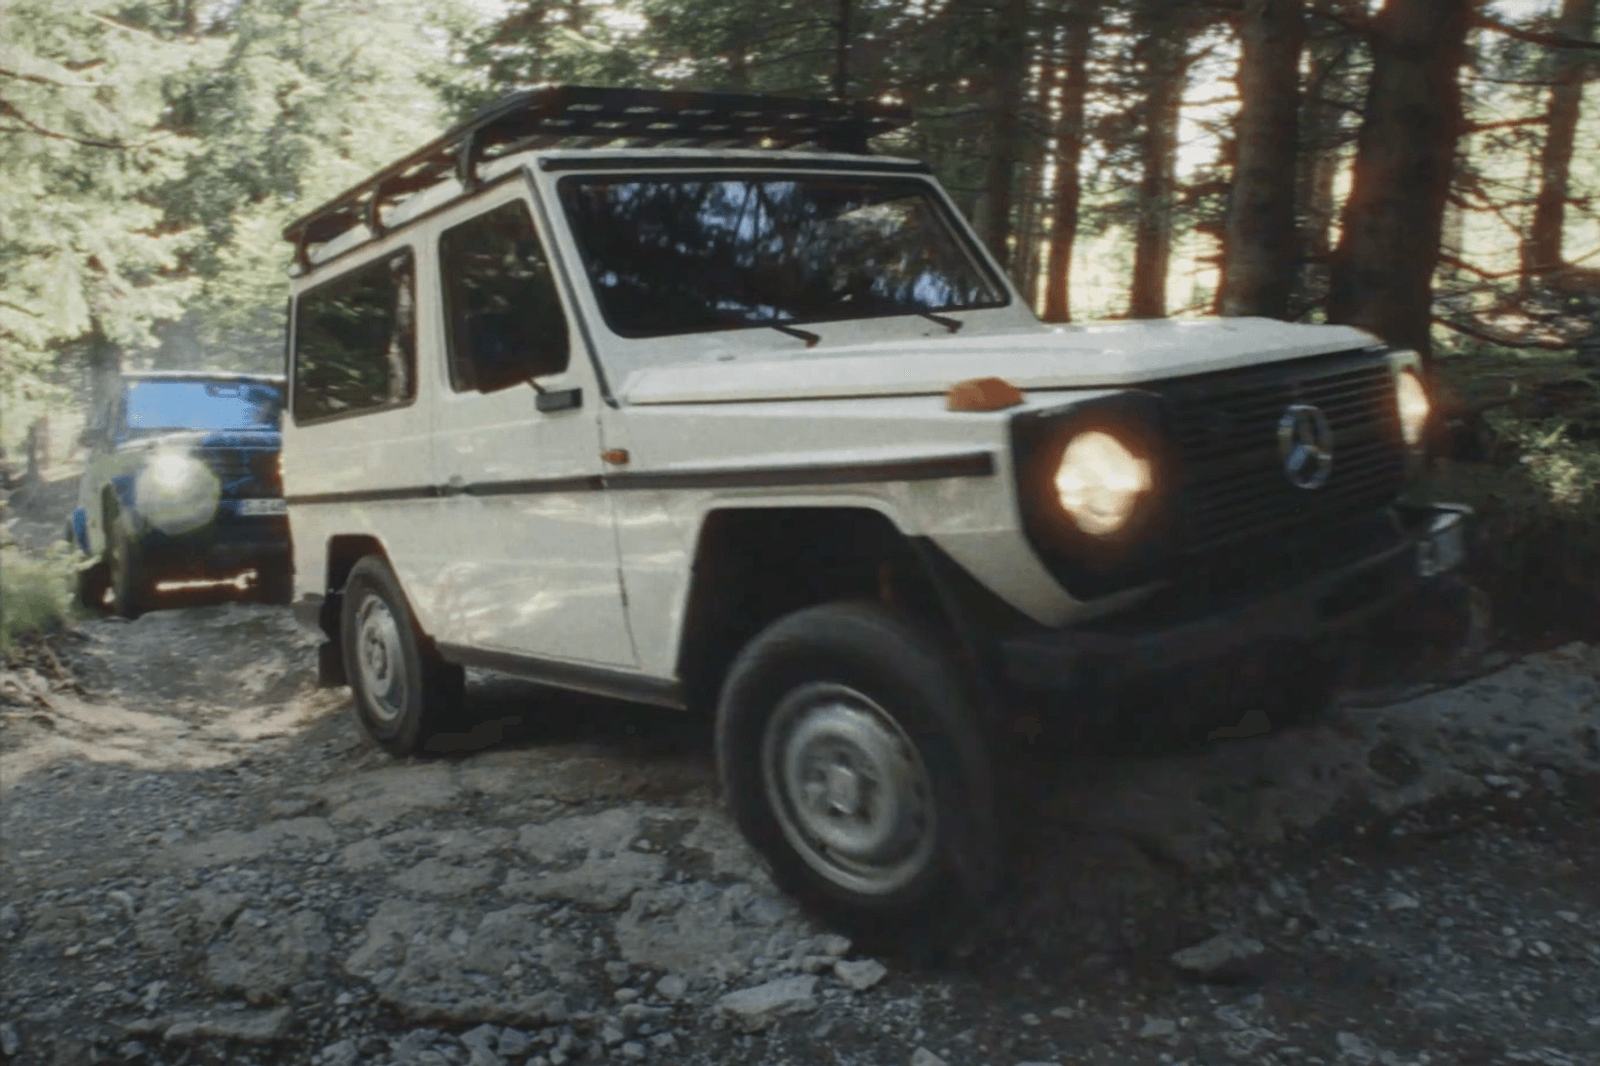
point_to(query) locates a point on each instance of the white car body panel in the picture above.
(1115, 354)
(506, 589)
(369, 453)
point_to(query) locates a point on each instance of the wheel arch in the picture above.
(753, 565)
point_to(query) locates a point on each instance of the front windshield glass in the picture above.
(165, 405)
(678, 254)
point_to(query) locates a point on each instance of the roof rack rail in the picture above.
(547, 116)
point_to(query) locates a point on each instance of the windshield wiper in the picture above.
(806, 335)
(952, 324)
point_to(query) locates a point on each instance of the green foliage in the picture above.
(35, 593)
(299, 100)
(85, 246)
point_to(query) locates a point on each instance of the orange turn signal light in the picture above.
(982, 394)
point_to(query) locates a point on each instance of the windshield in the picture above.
(680, 254)
(158, 405)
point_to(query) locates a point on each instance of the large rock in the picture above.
(174, 925)
(698, 928)
(434, 963)
(250, 1027)
(1226, 957)
(265, 952)
(602, 882)
(756, 1008)
(275, 838)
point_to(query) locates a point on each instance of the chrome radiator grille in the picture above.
(1225, 428)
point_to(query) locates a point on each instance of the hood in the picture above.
(190, 439)
(1098, 356)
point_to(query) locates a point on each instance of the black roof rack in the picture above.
(544, 117)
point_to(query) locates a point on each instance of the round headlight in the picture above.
(176, 492)
(173, 471)
(1100, 481)
(1414, 406)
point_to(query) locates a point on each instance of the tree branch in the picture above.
(10, 111)
(1503, 124)
(1505, 340)
(1549, 40)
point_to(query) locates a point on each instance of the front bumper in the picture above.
(1175, 632)
(228, 544)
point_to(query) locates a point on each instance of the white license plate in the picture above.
(276, 506)
(1444, 548)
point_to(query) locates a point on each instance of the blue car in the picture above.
(182, 483)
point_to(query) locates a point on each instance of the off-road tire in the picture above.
(131, 586)
(92, 583)
(403, 693)
(906, 674)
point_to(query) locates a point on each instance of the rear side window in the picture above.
(506, 322)
(355, 341)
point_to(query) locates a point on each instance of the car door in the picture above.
(516, 448)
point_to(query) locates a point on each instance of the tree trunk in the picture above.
(1318, 164)
(104, 361)
(1383, 269)
(1079, 20)
(1160, 53)
(1541, 251)
(1010, 71)
(1261, 244)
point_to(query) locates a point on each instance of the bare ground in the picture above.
(205, 862)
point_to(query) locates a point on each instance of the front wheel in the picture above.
(130, 585)
(852, 760)
(402, 693)
(93, 582)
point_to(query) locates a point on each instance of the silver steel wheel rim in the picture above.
(849, 788)
(380, 658)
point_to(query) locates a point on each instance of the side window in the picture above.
(355, 341)
(506, 322)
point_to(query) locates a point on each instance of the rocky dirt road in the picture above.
(204, 862)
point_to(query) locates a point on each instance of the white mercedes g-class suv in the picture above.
(705, 419)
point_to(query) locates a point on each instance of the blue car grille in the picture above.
(246, 472)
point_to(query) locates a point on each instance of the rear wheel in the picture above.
(852, 760)
(402, 693)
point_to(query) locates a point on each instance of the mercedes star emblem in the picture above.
(1305, 443)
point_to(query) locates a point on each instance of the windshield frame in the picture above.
(931, 194)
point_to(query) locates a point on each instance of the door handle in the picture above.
(455, 486)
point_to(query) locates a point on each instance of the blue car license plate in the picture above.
(263, 507)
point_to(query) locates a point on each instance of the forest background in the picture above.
(1428, 169)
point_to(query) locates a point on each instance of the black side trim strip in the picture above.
(577, 677)
(656, 161)
(409, 492)
(974, 464)
(588, 483)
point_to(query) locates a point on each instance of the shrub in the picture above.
(35, 593)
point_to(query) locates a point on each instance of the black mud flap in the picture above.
(330, 665)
